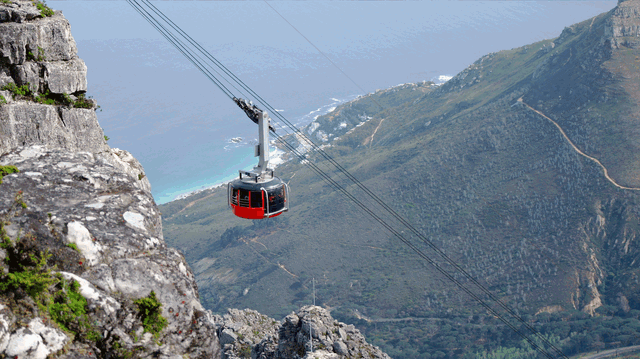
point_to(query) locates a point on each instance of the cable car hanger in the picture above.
(259, 194)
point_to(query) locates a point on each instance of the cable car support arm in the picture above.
(260, 117)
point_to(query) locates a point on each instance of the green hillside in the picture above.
(493, 183)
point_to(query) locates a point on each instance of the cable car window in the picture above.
(244, 198)
(234, 196)
(276, 199)
(256, 199)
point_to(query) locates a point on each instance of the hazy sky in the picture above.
(157, 106)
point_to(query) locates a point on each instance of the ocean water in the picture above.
(156, 105)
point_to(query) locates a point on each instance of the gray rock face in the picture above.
(34, 341)
(39, 51)
(81, 198)
(51, 34)
(82, 193)
(19, 11)
(247, 333)
(623, 28)
(25, 123)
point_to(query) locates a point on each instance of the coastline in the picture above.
(274, 160)
(276, 154)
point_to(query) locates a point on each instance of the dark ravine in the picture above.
(85, 271)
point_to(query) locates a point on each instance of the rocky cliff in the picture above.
(79, 212)
(84, 269)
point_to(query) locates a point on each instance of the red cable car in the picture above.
(258, 200)
(258, 194)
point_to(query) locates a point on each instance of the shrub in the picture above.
(44, 9)
(41, 56)
(5, 170)
(66, 99)
(57, 298)
(45, 98)
(28, 274)
(17, 90)
(245, 351)
(67, 307)
(150, 314)
(82, 102)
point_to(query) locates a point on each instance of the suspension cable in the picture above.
(180, 46)
(185, 50)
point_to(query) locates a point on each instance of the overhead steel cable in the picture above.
(185, 50)
(322, 53)
(180, 47)
(391, 210)
(199, 48)
(196, 59)
(399, 235)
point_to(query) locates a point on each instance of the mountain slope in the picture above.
(480, 168)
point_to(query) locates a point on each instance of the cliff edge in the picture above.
(84, 269)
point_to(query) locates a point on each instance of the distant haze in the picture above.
(161, 109)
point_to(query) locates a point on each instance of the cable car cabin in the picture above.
(252, 200)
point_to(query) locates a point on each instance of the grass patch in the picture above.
(150, 314)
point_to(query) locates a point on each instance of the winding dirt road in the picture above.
(606, 173)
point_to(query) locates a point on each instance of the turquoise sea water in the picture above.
(179, 126)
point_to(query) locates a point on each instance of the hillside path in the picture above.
(606, 173)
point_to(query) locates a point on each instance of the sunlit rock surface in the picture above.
(310, 332)
(82, 199)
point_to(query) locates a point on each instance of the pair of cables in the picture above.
(225, 80)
